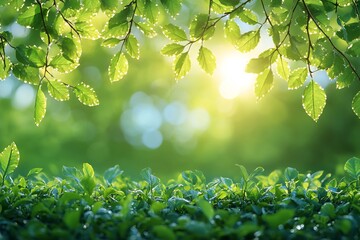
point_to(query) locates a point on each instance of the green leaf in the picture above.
(328, 209)
(72, 218)
(146, 29)
(32, 56)
(58, 90)
(172, 6)
(87, 30)
(70, 49)
(118, 67)
(149, 177)
(86, 95)
(264, 83)
(31, 17)
(62, 64)
(314, 100)
(248, 16)
(110, 42)
(174, 33)
(5, 68)
(232, 31)
(109, 5)
(199, 27)
(120, 18)
(88, 170)
(231, 3)
(206, 60)
(278, 218)
(151, 11)
(356, 104)
(243, 171)
(132, 47)
(297, 78)
(112, 173)
(40, 106)
(248, 41)
(352, 168)
(182, 65)
(27, 74)
(164, 232)
(291, 174)
(172, 49)
(88, 180)
(9, 161)
(283, 68)
(206, 208)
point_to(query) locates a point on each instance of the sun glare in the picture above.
(234, 81)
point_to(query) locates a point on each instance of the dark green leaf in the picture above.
(27, 74)
(112, 173)
(172, 6)
(352, 168)
(278, 218)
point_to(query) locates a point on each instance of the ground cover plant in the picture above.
(82, 204)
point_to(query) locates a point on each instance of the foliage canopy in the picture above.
(306, 35)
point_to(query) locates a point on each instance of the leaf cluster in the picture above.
(307, 36)
(82, 204)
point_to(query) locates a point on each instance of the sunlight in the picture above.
(234, 81)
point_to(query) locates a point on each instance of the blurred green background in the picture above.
(209, 123)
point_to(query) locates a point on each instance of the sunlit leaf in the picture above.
(232, 31)
(132, 46)
(314, 100)
(118, 67)
(248, 41)
(264, 83)
(9, 160)
(31, 17)
(174, 33)
(282, 68)
(206, 60)
(86, 95)
(58, 90)
(5, 68)
(182, 65)
(297, 78)
(172, 6)
(172, 49)
(40, 106)
(356, 104)
(352, 168)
